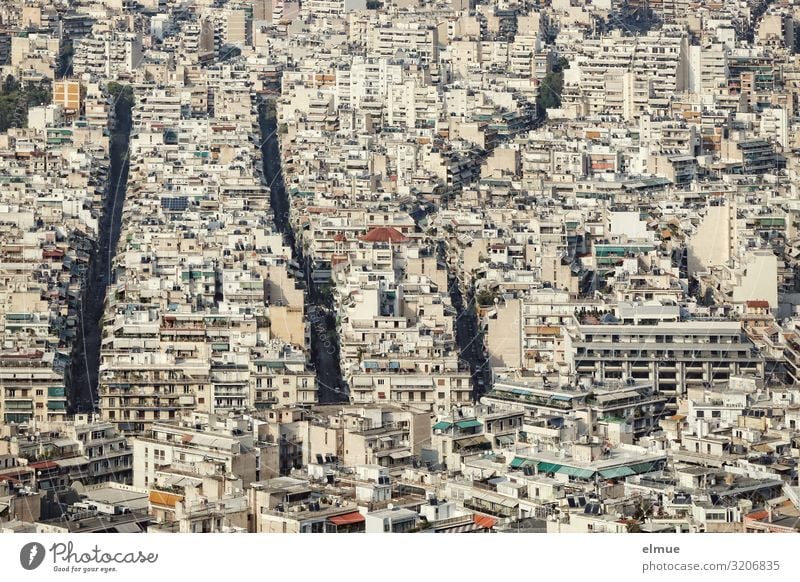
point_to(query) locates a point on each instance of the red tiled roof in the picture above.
(347, 518)
(758, 303)
(384, 234)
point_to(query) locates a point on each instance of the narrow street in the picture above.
(470, 345)
(82, 378)
(319, 306)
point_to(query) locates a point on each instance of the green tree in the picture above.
(485, 297)
(551, 87)
(15, 101)
(121, 94)
(10, 84)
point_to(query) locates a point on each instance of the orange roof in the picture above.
(547, 329)
(163, 498)
(384, 234)
(761, 514)
(347, 518)
(484, 521)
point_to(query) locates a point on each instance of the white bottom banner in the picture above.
(335, 558)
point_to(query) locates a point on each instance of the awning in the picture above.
(577, 473)
(505, 439)
(347, 518)
(485, 521)
(442, 425)
(519, 462)
(648, 467)
(616, 472)
(468, 424)
(164, 498)
(495, 499)
(561, 398)
(476, 441)
(129, 527)
(400, 455)
(545, 467)
(460, 528)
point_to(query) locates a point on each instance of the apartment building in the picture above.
(231, 442)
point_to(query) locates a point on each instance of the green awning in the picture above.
(548, 467)
(442, 425)
(616, 472)
(468, 424)
(644, 467)
(521, 463)
(577, 473)
(561, 398)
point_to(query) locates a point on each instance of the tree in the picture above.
(15, 100)
(551, 87)
(10, 84)
(485, 297)
(122, 97)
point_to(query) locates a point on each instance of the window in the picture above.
(286, 395)
(40, 393)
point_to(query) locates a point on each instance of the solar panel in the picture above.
(175, 204)
(571, 502)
